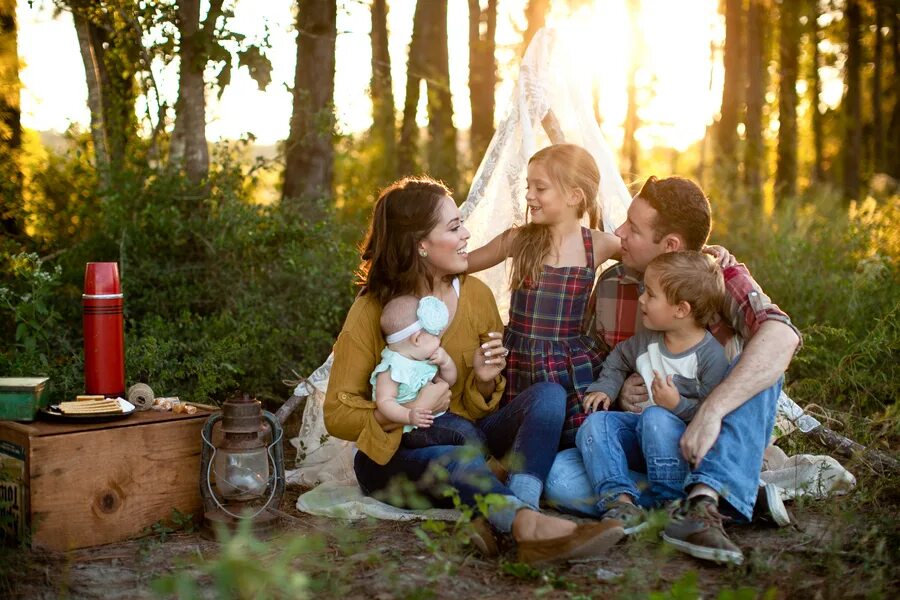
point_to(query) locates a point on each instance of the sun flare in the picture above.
(678, 66)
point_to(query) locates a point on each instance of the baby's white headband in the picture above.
(431, 315)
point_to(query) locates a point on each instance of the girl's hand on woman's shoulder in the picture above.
(606, 247)
(490, 358)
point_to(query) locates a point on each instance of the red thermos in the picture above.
(104, 333)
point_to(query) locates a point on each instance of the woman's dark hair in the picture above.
(405, 212)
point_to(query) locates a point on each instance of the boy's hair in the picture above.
(681, 207)
(691, 277)
(570, 167)
(398, 313)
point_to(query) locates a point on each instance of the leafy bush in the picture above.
(834, 270)
(220, 293)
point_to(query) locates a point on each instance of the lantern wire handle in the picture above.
(274, 479)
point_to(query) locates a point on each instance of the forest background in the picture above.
(238, 259)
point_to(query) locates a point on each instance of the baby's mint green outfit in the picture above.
(411, 375)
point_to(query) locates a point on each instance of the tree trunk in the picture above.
(384, 126)
(726, 129)
(892, 166)
(11, 205)
(815, 90)
(415, 71)
(189, 147)
(482, 74)
(629, 143)
(789, 58)
(877, 119)
(536, 13)
(754, 153)
(442, 160)
(93, 64)
(852, 104)
(309, 168)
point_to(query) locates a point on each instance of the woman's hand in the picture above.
(434, 397)
(490, 358)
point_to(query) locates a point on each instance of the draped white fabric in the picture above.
(549, 87)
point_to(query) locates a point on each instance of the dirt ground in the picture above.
(825, 555)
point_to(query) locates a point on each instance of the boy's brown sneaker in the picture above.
(696, 529)
(633, 517)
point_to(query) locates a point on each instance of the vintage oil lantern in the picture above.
(241, 476)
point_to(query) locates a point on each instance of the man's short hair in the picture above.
(682, 209)
(691, 277)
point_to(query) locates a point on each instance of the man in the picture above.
(718, 455)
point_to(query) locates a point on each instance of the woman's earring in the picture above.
(423, 253)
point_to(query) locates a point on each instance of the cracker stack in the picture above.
(89, 407)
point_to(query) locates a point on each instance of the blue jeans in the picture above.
(611, 445)
(526, 431)
(521, 428)
(422, 477)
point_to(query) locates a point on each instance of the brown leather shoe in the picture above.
(482, 538)
(589, 539)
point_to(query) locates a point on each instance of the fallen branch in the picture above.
(288, 407)
(847, 448)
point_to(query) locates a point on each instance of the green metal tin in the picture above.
(21, 397)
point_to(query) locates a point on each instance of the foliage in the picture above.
(834, 271)
(233, 295)
(177, 522)
(41, 342)
(245, 568)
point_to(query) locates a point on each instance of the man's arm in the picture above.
(764, 359)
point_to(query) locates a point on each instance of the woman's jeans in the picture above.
(613, 446)
(421, 477)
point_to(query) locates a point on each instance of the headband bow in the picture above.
(431, 315)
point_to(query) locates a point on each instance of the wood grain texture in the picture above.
(101, 485)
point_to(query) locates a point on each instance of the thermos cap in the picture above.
(101, 278)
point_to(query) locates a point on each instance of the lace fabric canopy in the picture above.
(551, 103)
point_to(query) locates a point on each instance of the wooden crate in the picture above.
(88, 484)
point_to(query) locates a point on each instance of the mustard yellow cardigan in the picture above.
(349, 408)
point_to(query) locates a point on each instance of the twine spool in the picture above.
(141, 396)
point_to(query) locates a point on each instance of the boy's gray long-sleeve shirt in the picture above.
(696, 371)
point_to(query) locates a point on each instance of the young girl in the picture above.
(554, 262)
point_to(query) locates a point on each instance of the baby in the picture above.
(413, 358)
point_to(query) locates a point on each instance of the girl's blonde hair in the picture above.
(570, 168)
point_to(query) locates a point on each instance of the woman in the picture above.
(417, 245)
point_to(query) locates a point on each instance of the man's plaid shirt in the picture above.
(746, 307)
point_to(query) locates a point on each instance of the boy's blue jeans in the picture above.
(614, 447)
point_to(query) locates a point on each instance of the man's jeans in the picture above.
(612, 446)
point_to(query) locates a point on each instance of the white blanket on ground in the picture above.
(344, 500)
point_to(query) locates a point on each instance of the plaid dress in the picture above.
(546, 339)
